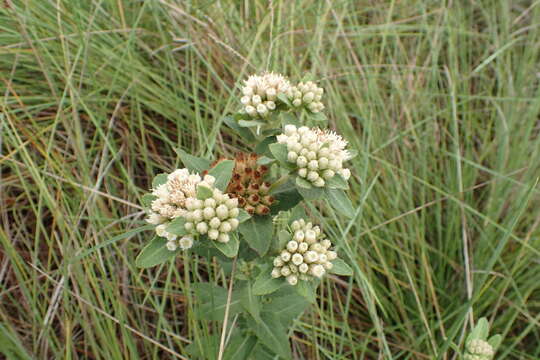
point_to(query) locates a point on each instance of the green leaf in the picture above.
(240, 347)
(286, 307)
(272, 334)
(257, 231)
(176, 226)
(191, 162)
(243, 216)
(283, 238)
(337, 182)
(284, 99)
(230, 248)
(204, 192)
(297, 213)
(159, 179)
(303, 183)
(315, 193)
(147, 200)
(265, 284)
(223, 173)
(243, 132)
(262, 147)
(263, 160)
(286, 197)
(250, 302)
(250, 123)
(280, 154)
(307, 289)
(495, 341)
(340, 267)
(480, 331)
(340, 202)
(212, 301)
(154, 253)
(290, 118)
(318, 116)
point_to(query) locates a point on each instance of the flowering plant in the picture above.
(247, 213)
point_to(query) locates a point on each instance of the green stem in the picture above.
(282, 180)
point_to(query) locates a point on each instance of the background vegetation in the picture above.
(441, 98)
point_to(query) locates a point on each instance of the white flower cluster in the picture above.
(479, 350)
(216, 216)
(177, 197)
(260, 93)
(307, 94)
(319, 154)
(306, 256)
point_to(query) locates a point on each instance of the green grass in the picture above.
(441, 98)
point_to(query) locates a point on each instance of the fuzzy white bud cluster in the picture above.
(307, 255)
(260, 93)
(478, 349)
(216, 216)
(307, 94)
(319, 154)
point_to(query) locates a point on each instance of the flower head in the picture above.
(306, 256)
(308, 95)
(319, 154)
(478, 349)
(260, 93)
(247, 185)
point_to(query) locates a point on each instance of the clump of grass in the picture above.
(441, 99)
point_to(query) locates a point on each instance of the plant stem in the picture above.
(226, 317)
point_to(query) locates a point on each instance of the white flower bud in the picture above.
(328, 174)
(334, 165)
(210, 202)
(202, 228)
(323, 258)
(297, 259)
(276, 273)
(197, 215)
(214, 223)
(189, 226)
(313, 165)
(169, 236)
(248, 91)
(311, 155)
(234, 223)
(297, 102)
(292, 246)
(285, 271)
(213, 234)
(303, 268)
(316, 247)
(256, 100)
(301, 161)
(328, 265)
(299, 235)
(317, 270)
(310, 237)
(308, 98)
(295, 225)
(302, 247)
(270, 105)
(325, 243)
(297, 148)
(311, 256)
(234, 212)
(231, 203)
(312, 176)
(250, 110)
(289, 130)
(285, 255)
(292, 156)
(245, 100)
(331, 255)
(171, 245)
(303, 129)
(186, 242)
(160, 230)
(324, 152)
(302, 172)
(225, 227)
(278, 262)
(209, 213)
(154, 219)
(319, 182)
(223, 238)
(271, 93)
(262, 109)
(346, 173)
(222, 212)
(292, 279)
(198, 204)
